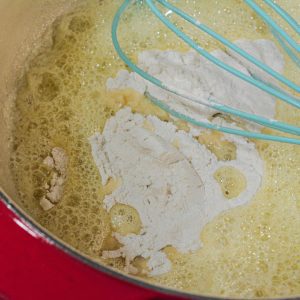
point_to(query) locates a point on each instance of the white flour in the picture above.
(172, 189)
(166, 175)
(191, 74)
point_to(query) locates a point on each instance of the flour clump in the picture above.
(191, 74)
(57, 162)
(171, 185)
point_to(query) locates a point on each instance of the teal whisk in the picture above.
(289, 45)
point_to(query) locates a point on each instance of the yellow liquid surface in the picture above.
(251, 251)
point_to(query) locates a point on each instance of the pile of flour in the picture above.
(191, 74)
(166, 174)
(168, 177)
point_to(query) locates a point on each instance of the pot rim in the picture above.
(59, 244)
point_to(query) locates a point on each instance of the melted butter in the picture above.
(251, 251)
(224, 150)
(231, 180)
(125, 219)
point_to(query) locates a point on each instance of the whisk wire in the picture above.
(259, 84)
(211, 103)
(273, 24)
(286, 48)
(230, 45)
(207, 125)
(290, 46)
(282, 13)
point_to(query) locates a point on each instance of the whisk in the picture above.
(289, 45)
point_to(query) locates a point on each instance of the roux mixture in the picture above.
(250, 251)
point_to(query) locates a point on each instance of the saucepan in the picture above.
(34, 264)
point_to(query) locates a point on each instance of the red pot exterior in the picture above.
(34, 267)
